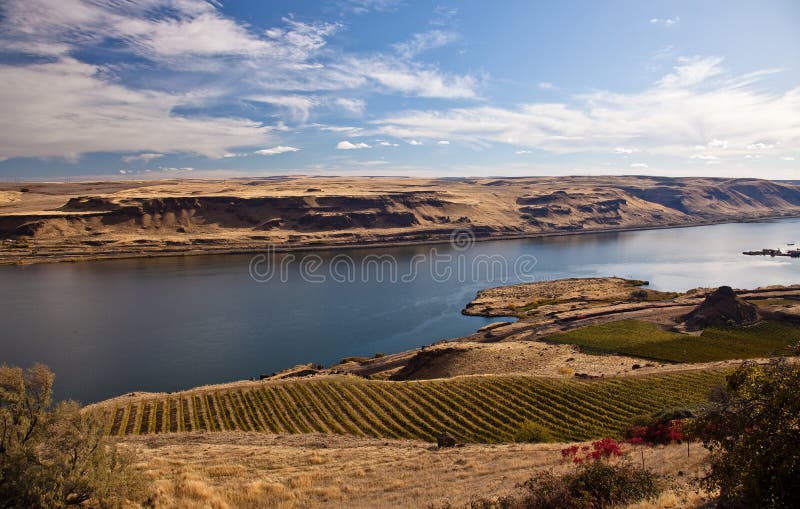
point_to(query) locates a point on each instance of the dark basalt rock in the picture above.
(720, 309)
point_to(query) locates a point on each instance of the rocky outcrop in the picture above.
(722, 308)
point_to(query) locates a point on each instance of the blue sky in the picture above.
(194, 88)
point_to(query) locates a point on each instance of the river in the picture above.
(111, 327)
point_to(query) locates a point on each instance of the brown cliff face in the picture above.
(154, 217)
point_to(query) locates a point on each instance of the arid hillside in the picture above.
(51, 222)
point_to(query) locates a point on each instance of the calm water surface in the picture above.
(112, 327)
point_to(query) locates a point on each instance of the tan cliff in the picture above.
(51, 222)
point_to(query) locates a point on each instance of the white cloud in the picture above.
(373, 162)
(195, 28)
(443, 142)
(787, 158)
(760, 146)
(65, 109)
(347, 145)
(354, 106)
(415, 143)
(413, 78)
(666, 22)
(523, 152)
(280, 149)
(680, 112)
(625, 150)
(422, 42)
(639, 165)
(146, 157)
(384, 143)
(704, 157)
(351, 130)
(692, 71)
(298, 106)
(714, 144)
(546, 85)
(364, 6)
(195, 56)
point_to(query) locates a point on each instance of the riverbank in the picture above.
(42, 223)
(528, 347)
(81, 257)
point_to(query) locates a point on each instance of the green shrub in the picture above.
(56, 456)
(595, 485)
(533, 432)
(753, 432)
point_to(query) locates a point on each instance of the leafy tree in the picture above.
(752, 429)
(56, 455)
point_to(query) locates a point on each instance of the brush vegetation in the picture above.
(55, 455)
(751, 428)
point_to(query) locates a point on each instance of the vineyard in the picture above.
(474, 409)
(648, 341)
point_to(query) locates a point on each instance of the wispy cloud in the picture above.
(414, 78)
(666, 22)
(198, 58)
(348, 145)
(65, 109)
(695, 104)
(354, 106)
(364, 6)
(146, 157)
(421, 42)
(297, 106)
(692, 71)
(280, 149)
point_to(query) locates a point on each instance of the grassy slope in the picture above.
(646, 340)
(474, 409)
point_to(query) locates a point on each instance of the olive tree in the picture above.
(56, 455)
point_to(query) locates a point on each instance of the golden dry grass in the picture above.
(247, 470)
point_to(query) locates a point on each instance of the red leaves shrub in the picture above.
(599, 450)
(657, 432)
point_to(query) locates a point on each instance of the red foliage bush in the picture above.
(657, 432)
(599, 450)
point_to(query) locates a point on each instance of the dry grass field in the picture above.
(254, 470)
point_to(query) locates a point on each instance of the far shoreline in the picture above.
(76, 257)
